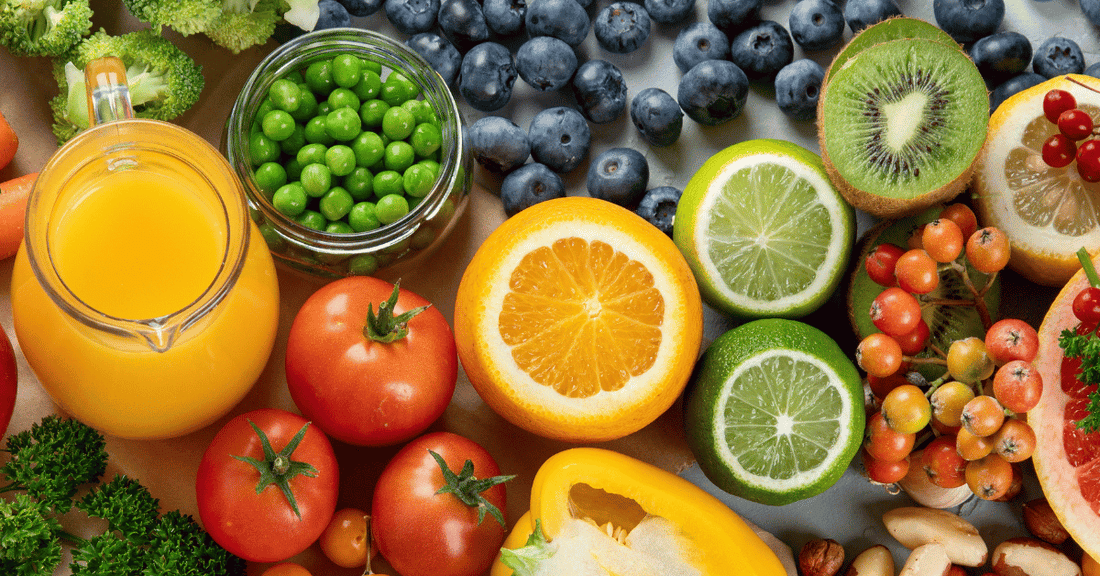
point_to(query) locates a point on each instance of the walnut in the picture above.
(821, 557)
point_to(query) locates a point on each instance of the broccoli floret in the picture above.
(184, 16)
(240, 26)
(43, 27)
(54, 458)
(164, 81)
(28, 538)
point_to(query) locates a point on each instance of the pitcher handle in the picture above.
(108, 92)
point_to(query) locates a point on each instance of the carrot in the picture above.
(9, 142)
(13, 210)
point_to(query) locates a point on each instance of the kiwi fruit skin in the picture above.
(883, 203)
(893, 28)
(945, 323)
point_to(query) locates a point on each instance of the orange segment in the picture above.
(578, 320)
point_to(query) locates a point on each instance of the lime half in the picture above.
(764, 230)
(774, 411)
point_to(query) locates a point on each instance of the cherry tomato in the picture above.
(344, 540)
(361, 390)
(287, 569)
(883, 443)
(266, 526)
(9, 381)
(423, 532)
(1086, 305)
(1011, 339)
(942, 463)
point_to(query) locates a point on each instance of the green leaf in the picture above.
(468, 488)
(525, 561)
(54, 458)
(1087, 348)
(277, 467)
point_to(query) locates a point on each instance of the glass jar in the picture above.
(389, 248)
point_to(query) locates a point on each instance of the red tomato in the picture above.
(9, 142)
(9, 381)
(13, 211)
(263, 527)
(359, 390)
(425, 533)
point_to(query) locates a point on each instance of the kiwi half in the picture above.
(895, 28)
(901, 124)
(945, 323)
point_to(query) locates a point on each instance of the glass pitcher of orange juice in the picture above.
(141, 298)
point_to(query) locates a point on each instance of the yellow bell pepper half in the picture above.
(605, 514)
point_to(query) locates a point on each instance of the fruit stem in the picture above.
(1085, 86)
(1086, 265)
(933, 385)
(915, 360)
(979, 295)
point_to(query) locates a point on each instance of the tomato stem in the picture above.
(468, 488)
(277, 467)
(1086, 265)
(385, 327)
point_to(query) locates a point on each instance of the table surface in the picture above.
(849, 512)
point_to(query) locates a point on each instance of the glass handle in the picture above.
(108, 93)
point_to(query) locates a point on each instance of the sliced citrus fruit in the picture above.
(774, 412)
(1066, 458)
(764, 230)
(578, 320)
(1048, 213)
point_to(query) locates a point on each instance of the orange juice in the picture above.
(143, 298)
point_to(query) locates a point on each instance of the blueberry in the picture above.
(732, 16)
(504, 17)
(498, 144)
(816, 24)
(562, 19)
(443, 57)
(968, 20)
(412, 16)
(463, 23)
(285, 32)
(621, 27)
(488, 74)
(1093, 70)
(713, 92)
(657, 116)
(560, 138)
(619, 175)
(333, 15)
(862, 13)
(669, 11)
(1091, 9)
(761, 50)
(528, 185)
(600, 91)
(1057, 56)
(1002, 55)
(546, 62)
(697, 42)
(658, 207)
(1017, 83)
(361, 8)
(797, 87)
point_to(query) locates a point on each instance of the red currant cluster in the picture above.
(1074, 125)
(975, 440)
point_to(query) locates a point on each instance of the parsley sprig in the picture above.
(1087, 348)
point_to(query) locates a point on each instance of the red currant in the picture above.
(1076, 124)
(1059, 150)
(912, 342)
(988, 250)
(1018, 386)
(943, 240)
(1057, 101)
(879, 355)
(942, 463)
(917, 272)
(1088, 161)
(1086, 305)
(880, 264)
(962, 216)
(884, 472)
(895, 311)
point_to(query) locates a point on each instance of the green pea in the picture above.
(269, 177)
(417, 181)
(316, 131)
(372, 112)
(285, 94)
(336, 203)
(319, 77)
(312, 154)
(294, 143)
(343, 124)
(360, 183)
(312, 219)
(343, 98)
(345, 70)
(295, 76)
(316, 179)
(368, 148)
(340, 160)
(262, 149)
(398, 123)
(422, 238)
(399, 156)
(388, 183)
(307, 107)
(290, 199)
(363, 265)
(372, 65)
(266, 105)
(426, 139)
(362, 218)
(368, 87)
(278, 125)
(397, 89)
(272, 236)
(323, 107)
(293, 170)
(431, 165)
(390, 208)
(339, 227)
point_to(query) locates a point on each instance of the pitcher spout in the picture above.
(159, 337)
